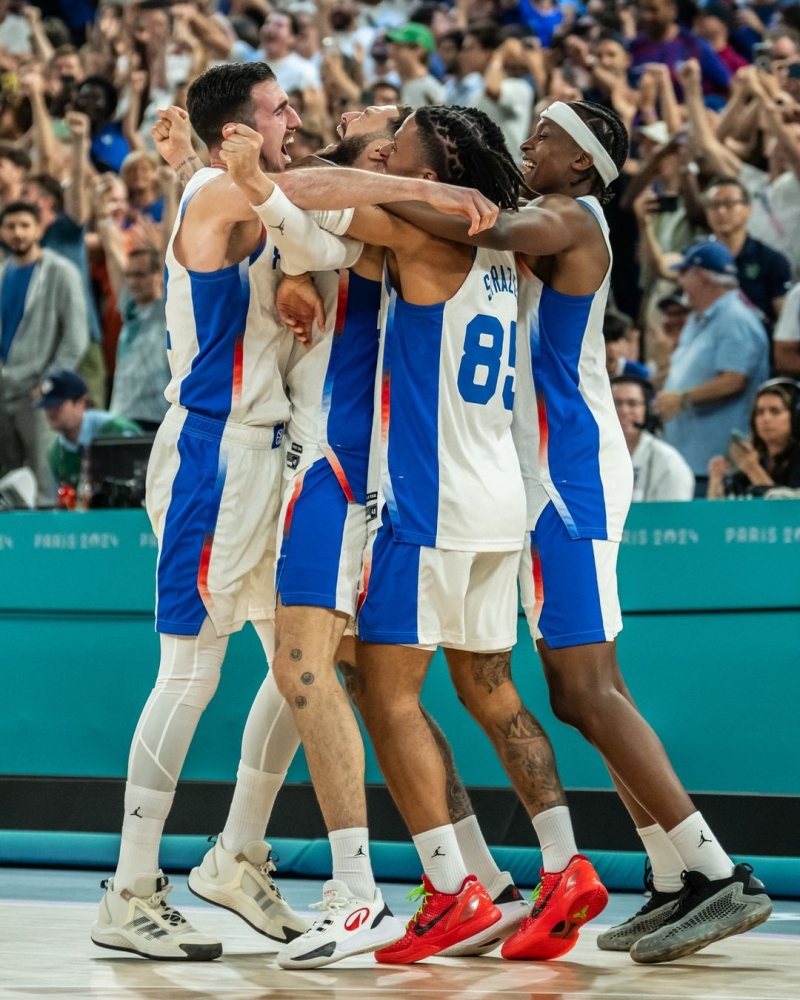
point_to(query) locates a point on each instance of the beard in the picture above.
(349, 150)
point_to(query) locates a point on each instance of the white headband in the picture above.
(563, 115)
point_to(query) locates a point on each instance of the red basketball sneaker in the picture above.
(441, 921)
(562, 903)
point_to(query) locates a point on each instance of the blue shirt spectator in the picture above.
(12, 302)
(724, 337)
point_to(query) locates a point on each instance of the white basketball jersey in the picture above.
(570, 443)
(443, 459)
(226, 343)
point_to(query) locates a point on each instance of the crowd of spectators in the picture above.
(705, 223)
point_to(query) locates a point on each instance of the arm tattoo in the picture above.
(490, 670)
(458, 802)
(187, 168)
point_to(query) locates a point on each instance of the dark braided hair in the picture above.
(610, 130)
(465, 147)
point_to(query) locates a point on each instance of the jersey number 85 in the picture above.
(479, 371)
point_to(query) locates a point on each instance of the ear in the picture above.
(377, 151)
(429, 175)
(583, 161)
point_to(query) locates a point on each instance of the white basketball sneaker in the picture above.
(140, 921)
(242, 882)
(513, 909)
(347, 926)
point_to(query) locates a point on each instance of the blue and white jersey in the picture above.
(443, 459)
(570, 443)
(226, 343)
(331, 384)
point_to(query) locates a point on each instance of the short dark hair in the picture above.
(15, 155)
(152, 255)
(224, 94)
(729, 182)
(51, 186)
(17, 207)
(297, 27)
(616, 326)
(488, 35)
(106, 86)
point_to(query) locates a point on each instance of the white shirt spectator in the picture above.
(293, 72)
(422, 92)
(512, 111)
(775, 219)
(788, 328)
(660, 472)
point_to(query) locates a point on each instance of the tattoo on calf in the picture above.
(307, 678)
(490, 670)
(528, 757)
(354, 682)
(296, 654)
(300, 701)
(458, 801)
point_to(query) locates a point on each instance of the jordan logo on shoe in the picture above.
(421, 929)
(704, 840)
(279, 226)
(360, 853)
(438, 853)
(136, 812)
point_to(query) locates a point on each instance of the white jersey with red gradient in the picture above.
(443, 459)
(570, 444)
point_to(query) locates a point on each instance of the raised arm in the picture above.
(718, 157)
(76, 196)
(547, 226)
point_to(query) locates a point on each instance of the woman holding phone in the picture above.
(772, 456)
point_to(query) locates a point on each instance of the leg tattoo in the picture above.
(490, 670)
(458, 802)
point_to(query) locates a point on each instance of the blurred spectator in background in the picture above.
(722, 356)
(659, 471)
(617, 328)
(14, 165)
(42, 324)
(278, 40)
(484, 83)
(64, 401)
(786, 341)
(662, 40)
(771, 457)
(142, 371)
(410, 49)
(664, 332)
(714, 22)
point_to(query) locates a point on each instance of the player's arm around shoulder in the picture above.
(551, 224)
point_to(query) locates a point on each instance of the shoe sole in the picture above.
(485, 941)
(489, 919)
(225, 906)
(690, 947)
(337, 956)
(194, 952)
(575, 912)
(622, 946)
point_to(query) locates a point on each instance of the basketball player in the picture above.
(213, 492)
(578, 480)
(431, 271)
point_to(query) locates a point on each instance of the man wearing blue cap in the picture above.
(722, 355)
(64, 399)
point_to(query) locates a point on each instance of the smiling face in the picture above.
(275, 121)
(277, 36)
(550, 158)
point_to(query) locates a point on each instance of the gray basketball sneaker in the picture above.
(655, 913)
(709, 911)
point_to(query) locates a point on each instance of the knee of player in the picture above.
(579, 705)
(193, 691)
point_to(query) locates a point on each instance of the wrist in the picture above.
(686, 401)
(257, 189)
(298, 279)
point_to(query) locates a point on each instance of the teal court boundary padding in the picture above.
(620, 871)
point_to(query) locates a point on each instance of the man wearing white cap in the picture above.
(579, 480)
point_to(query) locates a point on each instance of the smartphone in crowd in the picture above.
(666, 203)
(762, 56)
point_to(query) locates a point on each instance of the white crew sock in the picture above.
(699, 849)
(667, 863)
(351, 861)
(253, 799)
(476, 854)
(146, 812)
(441, 858)
(554, 829)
